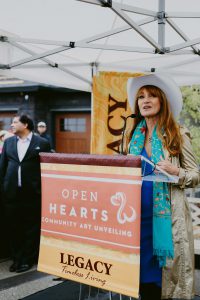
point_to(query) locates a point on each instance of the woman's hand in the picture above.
(167, 166)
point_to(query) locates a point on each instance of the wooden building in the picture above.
(66, 112)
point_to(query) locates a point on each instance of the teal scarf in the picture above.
(162, 223)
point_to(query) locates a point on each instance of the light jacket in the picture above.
(178, 275)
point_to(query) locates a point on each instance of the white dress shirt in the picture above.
(22, 147)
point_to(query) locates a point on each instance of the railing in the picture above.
(193, 196)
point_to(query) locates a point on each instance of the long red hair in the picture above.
(172, 139)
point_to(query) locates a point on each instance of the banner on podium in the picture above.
(90, 228)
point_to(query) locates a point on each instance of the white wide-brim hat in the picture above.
(162, 81)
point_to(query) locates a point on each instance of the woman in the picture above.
(167, 254)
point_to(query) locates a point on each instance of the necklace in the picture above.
(150, 139)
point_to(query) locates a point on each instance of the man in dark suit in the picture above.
(21, 189)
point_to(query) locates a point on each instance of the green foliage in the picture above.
(190, 115)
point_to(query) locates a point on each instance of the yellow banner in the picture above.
(110, 106)
(92, 265)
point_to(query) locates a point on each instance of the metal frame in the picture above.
(49, 62)
(155, 47)
(138, 29)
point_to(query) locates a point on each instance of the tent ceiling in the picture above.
(66, 42)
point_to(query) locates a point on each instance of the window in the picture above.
(73, 124)
(5, 122)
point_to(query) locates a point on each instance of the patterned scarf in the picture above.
(162, 223)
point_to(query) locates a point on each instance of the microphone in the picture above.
(123, 130)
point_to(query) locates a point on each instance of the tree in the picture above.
(190, 115)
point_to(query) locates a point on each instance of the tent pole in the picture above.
(161, 23)
(50, 63)
(39, 56)
(87, 40)
(184, 45)
(181, 33)
(135, 26)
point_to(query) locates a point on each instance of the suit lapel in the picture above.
(14, 149)
(32, 145)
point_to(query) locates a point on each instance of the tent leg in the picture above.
(161, 23)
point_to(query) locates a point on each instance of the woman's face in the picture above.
(149, 104)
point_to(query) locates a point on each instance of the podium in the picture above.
(90, 224)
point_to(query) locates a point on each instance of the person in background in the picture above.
(4, 134)
(21, 191)
(167, 250)
(42, 130)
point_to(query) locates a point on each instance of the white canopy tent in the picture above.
(64, 43)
